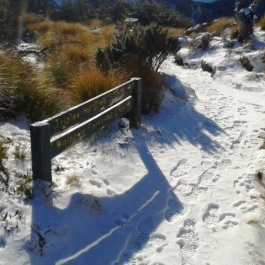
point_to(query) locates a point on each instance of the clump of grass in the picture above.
(261, 23)
(176, 31)
(70, 48)
(26, 91)
(4, 174)
(92, 83)
(19, 153)
(72, 180)
(233, 32)
(219, 25)
(246, 63)
(253, 222)
(23, 186)
(3, 150)
(255, 77)
(262, 146)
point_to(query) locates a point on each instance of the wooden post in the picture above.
(135, 113)
(40, 151)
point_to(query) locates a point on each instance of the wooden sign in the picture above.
(71, 126)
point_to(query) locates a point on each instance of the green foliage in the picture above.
(140, 51)
(152, 44)
(151, 11)
(78, 10)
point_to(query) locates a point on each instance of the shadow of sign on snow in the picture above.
(124, 225)
(181, 122)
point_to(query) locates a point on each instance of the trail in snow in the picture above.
(180, 190)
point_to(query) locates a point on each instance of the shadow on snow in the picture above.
(74, 235)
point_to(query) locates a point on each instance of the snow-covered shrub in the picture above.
(204, 41)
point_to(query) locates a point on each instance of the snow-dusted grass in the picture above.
(183, 189)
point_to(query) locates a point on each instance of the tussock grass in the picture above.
(221, 24)
(262, 146)
(3, 150)
(253, 222)
(92, 83)
(74, 53)
(20, 153)
(261, 23)
(176, 31)
(72, 180)
(26, 91)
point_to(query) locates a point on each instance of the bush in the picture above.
(152, 44)
(139, 51)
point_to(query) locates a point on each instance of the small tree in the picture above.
(245, 18)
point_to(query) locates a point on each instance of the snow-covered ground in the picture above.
(181, 190)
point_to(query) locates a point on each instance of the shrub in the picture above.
(152, 44)
(140, 51)
(204, 41)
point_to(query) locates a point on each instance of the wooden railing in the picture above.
(52, 136)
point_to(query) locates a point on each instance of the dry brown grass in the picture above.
(25, 91)
(90, 84)
(262, 146)
(220, 24)
(253, 222)
(175, 31)
(75, 54)
(261, 23)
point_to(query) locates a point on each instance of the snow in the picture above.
(180, 190)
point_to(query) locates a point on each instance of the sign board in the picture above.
(52, 136)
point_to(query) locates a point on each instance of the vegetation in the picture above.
(262, 23)
(217, 26)
(140, 51)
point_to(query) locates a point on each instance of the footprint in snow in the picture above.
(95, 183)
(144, 229)
(211, 215)
(174, 209)
(188, 241)
(180, 169)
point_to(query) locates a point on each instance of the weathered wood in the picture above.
(40, 151)
(86, 129)
(52, 136)
(135, 113)
(88, 109)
